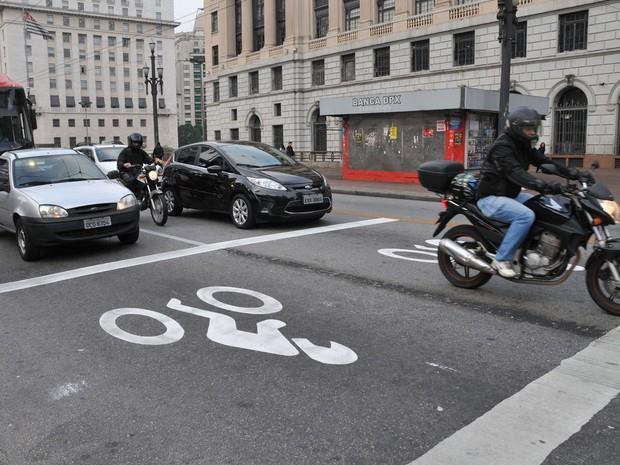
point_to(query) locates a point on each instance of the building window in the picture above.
(258, 16)
(278, 136)
(57, 142)
(280, 22)
(424, 6)
(571, 122)
(218, 135)
(253, 82)
(319, 133)
(321, 17)
(351, 14)
(86, 123)
(233, 86)
(214, 23)
(318, 72)
(100, 102)
(238, 28)
(385, 10)
(420, 55)
(255, 129)
(276, 78)
(115, 123)
(55, 123)
(464, 48)
(382, 61)
(71, 122)
(233, 114)
(101, 123)
(519, 45)
(216, 91)
(277, 109)
(573, 31)
(72, 141)
(234, 134)
(142, 123)
(347, 67)
(215, 55)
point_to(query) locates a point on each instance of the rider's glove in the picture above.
(577, 175)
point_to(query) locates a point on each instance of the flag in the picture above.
(35, 28)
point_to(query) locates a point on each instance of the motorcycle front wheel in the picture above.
(601, 286)
(459, 275)
(159, 210)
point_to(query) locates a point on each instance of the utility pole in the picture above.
(507, 16)
(154, 81)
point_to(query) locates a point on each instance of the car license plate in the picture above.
(93, 223)
(313, 198)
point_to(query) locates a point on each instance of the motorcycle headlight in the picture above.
(611, 208)
(52, 211)
(126, 202)
(153, 175)
(267, 184)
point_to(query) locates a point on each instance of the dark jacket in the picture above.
(504, 170)
(290, 152)
(135, 157)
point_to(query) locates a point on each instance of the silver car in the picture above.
(57, 196)
(104, 155)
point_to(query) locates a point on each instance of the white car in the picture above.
(104, 155)
(58, 196)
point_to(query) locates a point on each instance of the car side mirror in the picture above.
(595, 165)
(215, 169)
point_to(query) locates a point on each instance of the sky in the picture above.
(183, 8)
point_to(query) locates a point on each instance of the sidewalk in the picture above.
(610, 177)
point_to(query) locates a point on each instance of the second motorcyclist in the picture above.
(130, 157)
(504, 173)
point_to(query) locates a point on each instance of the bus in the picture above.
(17, 117)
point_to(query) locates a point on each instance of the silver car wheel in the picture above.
(169, 197)
(240, 211)
(21, 240)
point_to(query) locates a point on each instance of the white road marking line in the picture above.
(131, 262)
(174, 238)
(525, 428)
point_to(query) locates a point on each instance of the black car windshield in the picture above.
(108, 153)
(256, 156)
(54, 169)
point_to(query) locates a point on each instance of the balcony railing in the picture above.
(464, 11)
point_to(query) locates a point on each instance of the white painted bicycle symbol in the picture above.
(429, 253)
(223, 328)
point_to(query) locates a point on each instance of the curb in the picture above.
(389, 195)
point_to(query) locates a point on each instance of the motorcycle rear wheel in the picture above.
(460, 275)
(600, 285)
(159, 210)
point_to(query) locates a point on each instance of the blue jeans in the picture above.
(512, 211)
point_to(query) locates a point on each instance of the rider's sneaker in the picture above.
(504, 268)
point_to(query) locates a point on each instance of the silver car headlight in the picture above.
(126, 202)
(267, 184)
(52, 211)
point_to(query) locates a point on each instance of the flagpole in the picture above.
(27, 86)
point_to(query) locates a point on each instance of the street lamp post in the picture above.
(507, 16)
(154, 81)
(200, 60)
(85, 104)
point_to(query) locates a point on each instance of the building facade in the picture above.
(274, 66)
(87, 79)
(190, 57)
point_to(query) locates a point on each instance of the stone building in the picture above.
(190, 53)
(392, 83)
(87, 79)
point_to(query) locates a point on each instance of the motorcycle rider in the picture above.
(503, 175)
(130, 156)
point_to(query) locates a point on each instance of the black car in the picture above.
(249, 181)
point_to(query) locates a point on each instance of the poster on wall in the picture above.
(441, 125)
(428, 132)
(455, 122)
(393, 133)
(358, 135)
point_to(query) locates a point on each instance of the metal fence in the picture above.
(319, 156)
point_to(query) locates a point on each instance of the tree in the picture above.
(189, 134)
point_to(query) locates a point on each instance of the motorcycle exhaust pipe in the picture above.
(464, 256)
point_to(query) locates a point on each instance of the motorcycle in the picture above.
(564, 224)
(150, 194)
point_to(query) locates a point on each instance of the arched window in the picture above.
(571, 122)
(319, 133)
(254, 128)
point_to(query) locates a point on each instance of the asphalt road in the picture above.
(131, 355)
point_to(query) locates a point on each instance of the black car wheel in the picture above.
(241, 212)
(129, 238)
(27, 249)
(173, 202)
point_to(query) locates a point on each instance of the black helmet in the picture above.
(524, 117)
(135, 140)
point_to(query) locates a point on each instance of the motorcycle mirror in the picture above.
(595, 165)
